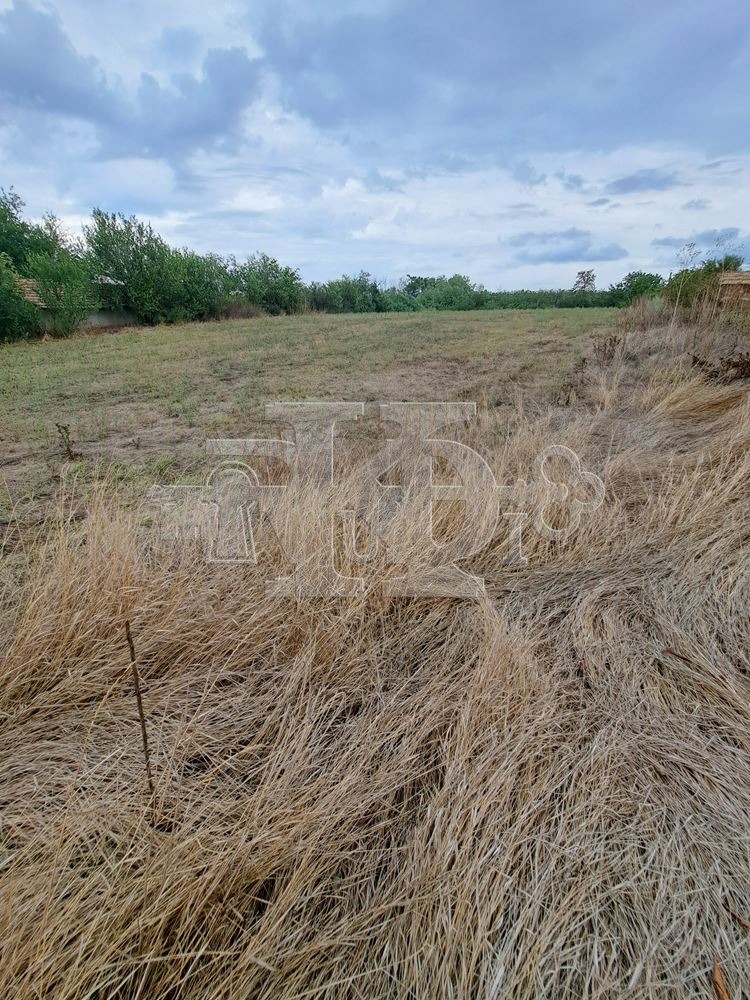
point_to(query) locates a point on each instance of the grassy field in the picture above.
(141, 402)
(544, 793)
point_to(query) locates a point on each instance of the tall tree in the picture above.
(585, 282)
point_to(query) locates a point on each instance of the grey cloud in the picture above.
(41, 71)
(525, 173)
(726, 235)
(194, 111)
(670, 241)
(649, 179)
(571, 182)
(491, 80)
(718, 239)
(563, 246)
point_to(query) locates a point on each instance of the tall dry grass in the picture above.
(542, 794)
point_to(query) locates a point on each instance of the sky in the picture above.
(515, 142)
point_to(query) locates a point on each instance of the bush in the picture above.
(362, 294)
(456, 292)
(413, 285)
(20, 239)
(159, 284)
(131, 253)
(200, 286)
(394, 300)
(64, 285)
(636, 285)
(263, 282)
(347, 295)
(19, 319)
(694, 286)
(560, 298)
(238, 308)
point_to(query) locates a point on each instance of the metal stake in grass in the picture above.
(144, 735)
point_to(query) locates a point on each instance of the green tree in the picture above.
(263, 282)
(635, 285)
(360, 294)
(692, 285)
(203, 284)
(394, 300)
(585, 282)
(64, 285)
(20, 239)
(413, 284)
(130, 252)
(19, 319)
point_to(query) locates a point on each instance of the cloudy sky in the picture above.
(516, 141)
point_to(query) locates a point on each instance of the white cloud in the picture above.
(256, 198)
(329, 201)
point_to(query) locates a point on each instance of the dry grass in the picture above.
(542, 794)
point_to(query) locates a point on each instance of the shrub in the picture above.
(64, 286)
(238, 308)
(456, 292)
(19, 319)
(636, 285)
(199, 285)
(262, 281)
(548, 298)
(159, 284)
(131, 252)
(316, 296)
(20, 239)
(394, 300)
(693, 286)
(360, 294)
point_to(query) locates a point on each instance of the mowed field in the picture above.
(143, 401)
(540, 793)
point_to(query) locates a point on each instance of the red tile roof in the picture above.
(27, 288)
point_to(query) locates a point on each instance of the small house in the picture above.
(734, 288)
(107, 315)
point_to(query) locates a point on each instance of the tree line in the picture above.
(121, 263)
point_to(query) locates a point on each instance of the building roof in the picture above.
(27, 287)
(735, 278)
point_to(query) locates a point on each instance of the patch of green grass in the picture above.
(161, 466)
(130, 396)
(152, 365)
